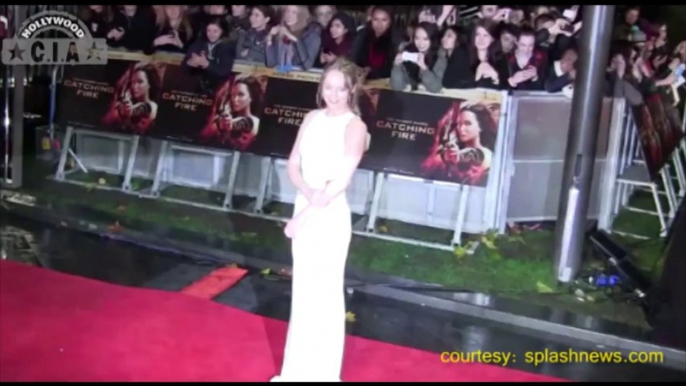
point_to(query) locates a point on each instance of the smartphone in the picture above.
(410, 56)
(569, 14)
(568, 28)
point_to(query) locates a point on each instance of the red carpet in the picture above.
(57, 327)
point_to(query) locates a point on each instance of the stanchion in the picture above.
(160, 181)
(67, 151)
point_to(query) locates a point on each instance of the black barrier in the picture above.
(446, 137)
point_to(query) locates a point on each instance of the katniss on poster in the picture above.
(233, 120)
(462, 150)
(133, 108)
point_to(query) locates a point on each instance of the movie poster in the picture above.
(120, 97)
(186, 101)
(233, 120)
(431, 137)
(133, 107)
(286, 103)
(659, 130)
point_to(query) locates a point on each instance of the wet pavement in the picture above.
(377, 318)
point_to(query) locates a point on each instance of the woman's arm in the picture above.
(355, 144)
(270, 51)
(293, 165)
(308, 49)
(432, 79)
(223, 66)
(399, 78)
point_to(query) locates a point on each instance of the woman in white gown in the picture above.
(327, 150)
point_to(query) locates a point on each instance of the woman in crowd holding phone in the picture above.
(415, 62)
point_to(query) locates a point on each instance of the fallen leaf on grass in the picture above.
(460, 251)
(542, 288)
(488, 243)
(115, 228)
(350, 317)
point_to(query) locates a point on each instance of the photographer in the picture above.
(416, 61)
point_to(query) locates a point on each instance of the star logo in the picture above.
(17, 52)
(94, 52)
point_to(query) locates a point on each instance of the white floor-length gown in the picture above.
(316, 330)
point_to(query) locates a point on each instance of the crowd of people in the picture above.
(497, 47)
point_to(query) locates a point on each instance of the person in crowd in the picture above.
(631, 26)
(554, 35)
(376, 45)
(177, 33)
(620, 82)
(441, 15)
(296, 41)
(517, 16)
(239, 21)
(479, 63)
(160, 17)
(416, 58)
(98, 19)
(134, 27)
(337, 39)
(527, 66)
(488, 11)
(323, 14)
(508, 37)
(252, 44)
(432, 79)
(212, 55)
(368, 18)
(535, 12)
(562, 72)
(409, 32)
(201, 18)
(660, 55)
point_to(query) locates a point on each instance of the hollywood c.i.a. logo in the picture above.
(78, 47)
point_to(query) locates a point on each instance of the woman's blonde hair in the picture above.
(304, 18)
(353, 80)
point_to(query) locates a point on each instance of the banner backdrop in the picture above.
(287, 99)
(120, 97)
(446, 137)
(438, 138)
(659, 129)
